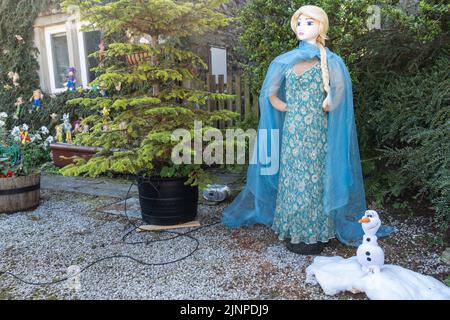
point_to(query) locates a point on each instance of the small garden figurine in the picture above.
(18, 104)
(79, 127)
(105, 113)
(369, 254)
(67, 127)
(59, 133)
(14, 76)
(23, 134)
(36, 100)
(102, 88)
(53, 120)
(71, 79)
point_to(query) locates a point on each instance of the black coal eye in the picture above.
(370, 216)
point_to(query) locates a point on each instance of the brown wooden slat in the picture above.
(247, 106)
(230, 91)
(221, 103)
(238, 91)
(255, 105)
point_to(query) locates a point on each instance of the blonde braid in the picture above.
(325, 72)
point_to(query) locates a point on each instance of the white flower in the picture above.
(48, 141)
(15, 131)
(2, 123)
(3, 115)
(25, 127)
(37, 136)
(44, 130)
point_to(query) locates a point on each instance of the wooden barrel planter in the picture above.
(62, 151)
(167, 201)
(20, 193)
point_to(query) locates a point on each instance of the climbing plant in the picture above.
(18, 54)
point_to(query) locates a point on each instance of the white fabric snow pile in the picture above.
(336, 274)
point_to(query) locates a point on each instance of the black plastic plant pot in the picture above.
(167, 201)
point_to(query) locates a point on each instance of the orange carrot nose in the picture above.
(364, 220)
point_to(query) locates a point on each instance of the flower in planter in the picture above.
(23, 134)
(5, 171)
(22, 151)
(3, 116)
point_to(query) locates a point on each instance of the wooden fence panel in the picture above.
(246, 102)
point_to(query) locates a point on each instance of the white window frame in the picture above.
(49, 31)
(82, 54)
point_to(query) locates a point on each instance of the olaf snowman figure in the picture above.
(369, 254)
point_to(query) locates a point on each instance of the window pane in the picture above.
(60, 58)
(91, 41)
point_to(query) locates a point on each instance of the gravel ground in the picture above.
(67, 232)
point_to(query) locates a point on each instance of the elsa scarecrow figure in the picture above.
(304, 178)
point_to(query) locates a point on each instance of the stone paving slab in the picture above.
(118, 188)
(99, 186)
(132, 206)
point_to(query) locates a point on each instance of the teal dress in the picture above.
(299, 209)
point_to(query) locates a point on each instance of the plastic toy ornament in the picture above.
(369, 253)
(71, 80)
(67, 127)
(36, 100)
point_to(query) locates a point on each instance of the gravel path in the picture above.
(67, 231)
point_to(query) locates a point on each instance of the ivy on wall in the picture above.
(18, 64)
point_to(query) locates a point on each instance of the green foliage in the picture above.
(18, 54)
(58, 105)
(267, 32)
(147, 102)
(21, 154)
(402, 110)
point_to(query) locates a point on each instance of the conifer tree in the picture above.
(143, 103)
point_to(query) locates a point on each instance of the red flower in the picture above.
(9, 174)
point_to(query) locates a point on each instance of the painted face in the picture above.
(307, 28)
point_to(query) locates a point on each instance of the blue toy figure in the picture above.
(71, 79)
(36, 100)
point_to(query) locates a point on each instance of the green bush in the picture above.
(54, 104)
(18, 54)
(266, 31)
